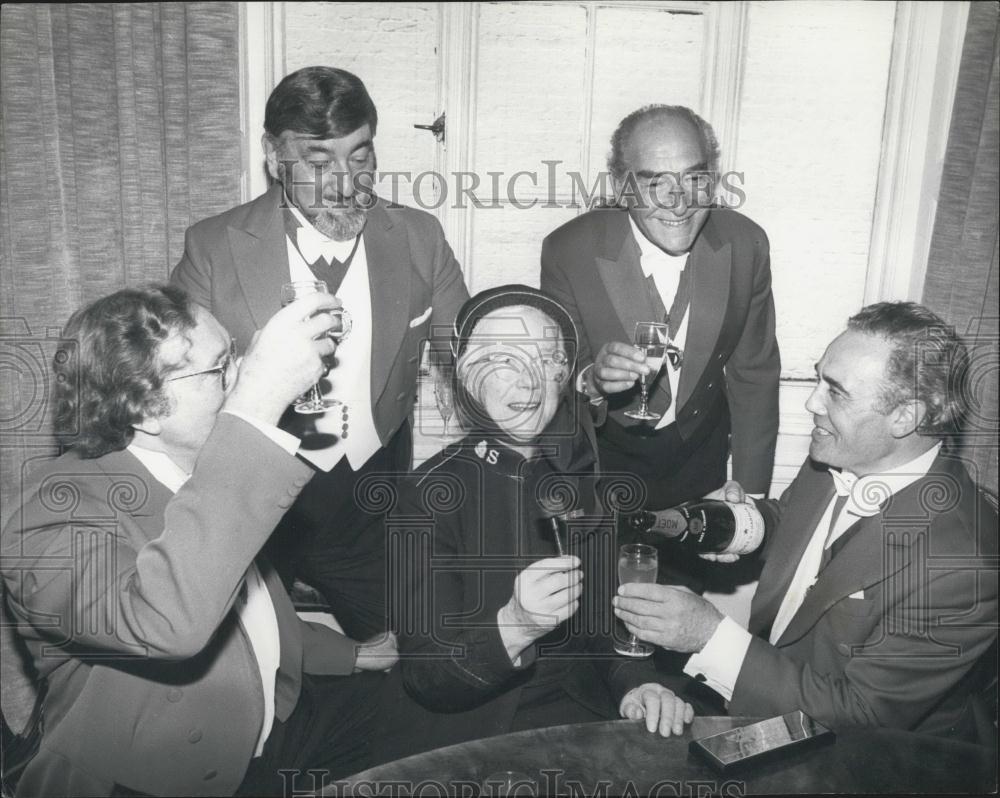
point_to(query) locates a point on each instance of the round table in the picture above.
(621, 757)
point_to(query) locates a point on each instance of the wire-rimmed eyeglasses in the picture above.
(222, 369)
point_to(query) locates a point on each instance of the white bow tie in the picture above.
(865, 494)
(314, 245)
(843, 482)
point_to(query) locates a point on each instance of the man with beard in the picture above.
(397, 277)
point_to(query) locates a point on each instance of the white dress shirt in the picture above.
(666, 271)
(256, 613)
(722, 657)
(350, 381)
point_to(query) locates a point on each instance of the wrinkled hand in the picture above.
(616, 368)
(678, 620)
(659, 706)
(378, 654)
(284, 359)
(546, 593)
(733, 492)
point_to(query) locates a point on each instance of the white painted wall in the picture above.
(393, 48)
(813, 102)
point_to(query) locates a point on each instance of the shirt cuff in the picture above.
(285, 440)
(720, 661)
(581, 379)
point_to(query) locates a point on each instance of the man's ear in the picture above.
(907, 417)
(150, 425)
(272, 161)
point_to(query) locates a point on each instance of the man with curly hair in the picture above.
(174, 661)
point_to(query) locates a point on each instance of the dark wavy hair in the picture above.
(108, 376)
(928, 362)
(625, 129)
(318, 101)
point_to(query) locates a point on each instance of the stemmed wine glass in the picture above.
(637, 562)
(312, 401)
(651, 337)
(443, 396)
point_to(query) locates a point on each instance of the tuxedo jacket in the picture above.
(235, 263)
(591, 265)
(895, 621)
(124, 595)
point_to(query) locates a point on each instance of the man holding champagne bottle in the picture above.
(877, 603)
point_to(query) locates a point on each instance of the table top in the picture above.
(621, 757)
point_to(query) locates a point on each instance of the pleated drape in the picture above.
(119, 127)
(961, 283)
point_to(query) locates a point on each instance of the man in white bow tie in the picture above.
(394, 273)
(668, 252)
(877, 604)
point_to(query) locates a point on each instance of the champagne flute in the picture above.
(312, 401)
(651, 337)
(637, 562)
(443, 396)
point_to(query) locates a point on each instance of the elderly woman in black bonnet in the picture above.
(504, 624)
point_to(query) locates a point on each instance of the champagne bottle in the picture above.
(708, 525)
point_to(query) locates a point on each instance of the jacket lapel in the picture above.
(260, 256)
(389, 275)
(711, 265)
(288, 680)
(864, 555)
(618, 265)
(783, 553)
(859, 564)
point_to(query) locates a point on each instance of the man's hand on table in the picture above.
(667, 616)
(378, 654)
(663, 711)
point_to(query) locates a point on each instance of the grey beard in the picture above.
(340, 225)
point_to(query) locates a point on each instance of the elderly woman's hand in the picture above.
(662, 710)
(546, 593)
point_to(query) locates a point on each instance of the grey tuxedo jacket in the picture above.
(235, 263)
(124, 595)
(896, 620)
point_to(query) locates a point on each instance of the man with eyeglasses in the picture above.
(224, 369)
(667, 252)
(174, 661)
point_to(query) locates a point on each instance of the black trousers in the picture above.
(335, 541)
(329, 735)
(670, 468)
